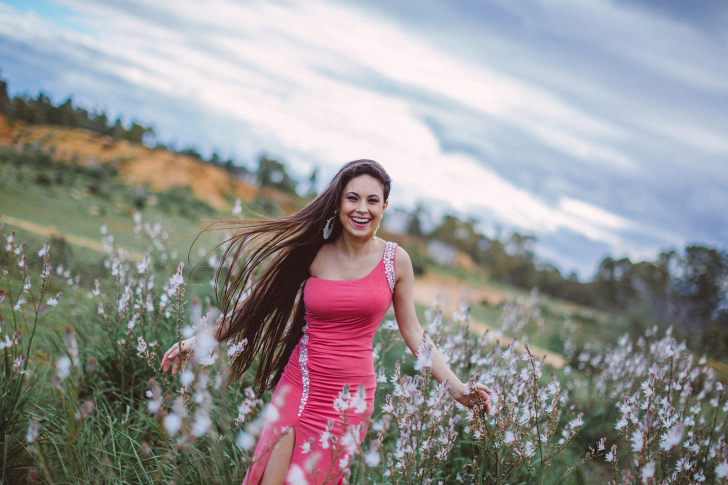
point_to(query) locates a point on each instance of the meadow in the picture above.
(83, 326)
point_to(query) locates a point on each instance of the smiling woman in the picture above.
(326, 281)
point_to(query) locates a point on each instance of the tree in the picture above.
(6, 105)
(272, 173)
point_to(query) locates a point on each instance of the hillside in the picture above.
(159, 169)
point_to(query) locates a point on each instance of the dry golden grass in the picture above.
(158, 169)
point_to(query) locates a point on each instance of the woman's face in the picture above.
(361, 206)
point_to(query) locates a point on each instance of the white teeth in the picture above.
(360, 221)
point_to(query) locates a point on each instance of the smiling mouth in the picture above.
(359, 221)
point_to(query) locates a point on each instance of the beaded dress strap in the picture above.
(389, 249)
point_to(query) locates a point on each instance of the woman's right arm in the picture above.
(179, 353)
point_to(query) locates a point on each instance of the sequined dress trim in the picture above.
(303, 362)
(389, 251)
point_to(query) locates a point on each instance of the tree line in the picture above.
(41, 110)
(687, 288)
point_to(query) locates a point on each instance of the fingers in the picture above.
(175, 365)
(169, 356)
(485, 399)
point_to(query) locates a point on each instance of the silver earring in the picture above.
(330, 225)
(376, 229)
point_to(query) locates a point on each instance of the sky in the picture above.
(599, 126)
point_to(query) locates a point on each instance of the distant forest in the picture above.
(687, 288)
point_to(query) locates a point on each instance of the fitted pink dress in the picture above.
(335, 350)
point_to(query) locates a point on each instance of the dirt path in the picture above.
(451, 290)
(52, 231)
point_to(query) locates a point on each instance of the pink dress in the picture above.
(335, 350)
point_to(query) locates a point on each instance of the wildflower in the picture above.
(205, 348)
(52, 302)
(296, 476)
(71, 344)
(341, 403)
(271, 414)
(142, 267)
(672, 437)
(2, 295)
(26, 286)
(637, 439)
(237, 208)
(575, 423)
(721, 471)
(237, 348)
(372, 458)
(245, 441)
(32, 434)
(19, 303)
(612, 453)
(149, 393)
(44, 250)
(172, 423)
(19, 362)
(202, 423)
(145, 450)
(306, 446)
(141, 346)
(424, 355)
(529, 450)
(64, 367)
(176, 281)
(600, 444)
(86, 409)
(101, 309)
(648, 472)
(359, 402)
(699, 476)
(186, 377)
(509, 437)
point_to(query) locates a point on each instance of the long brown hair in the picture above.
(280, 251)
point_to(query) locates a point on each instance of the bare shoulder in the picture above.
(402, 263)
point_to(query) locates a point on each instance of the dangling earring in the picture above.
(330, 225)
(376, 229)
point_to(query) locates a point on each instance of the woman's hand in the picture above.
(174, 356)
(470, 399)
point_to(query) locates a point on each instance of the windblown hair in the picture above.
(270, 259)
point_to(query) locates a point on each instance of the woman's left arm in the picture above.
(412, 332)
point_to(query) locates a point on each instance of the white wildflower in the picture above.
(63, 365)
(141, 346)
(648, 472)
(32, 433)
(186, 377)
(172, 423)
(296, 475)
(424, 355)
(672, 437)
(637, 439)
(575, 423)
(237, 208)
(721, 471)
(245, 440)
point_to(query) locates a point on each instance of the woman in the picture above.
(327, 274)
